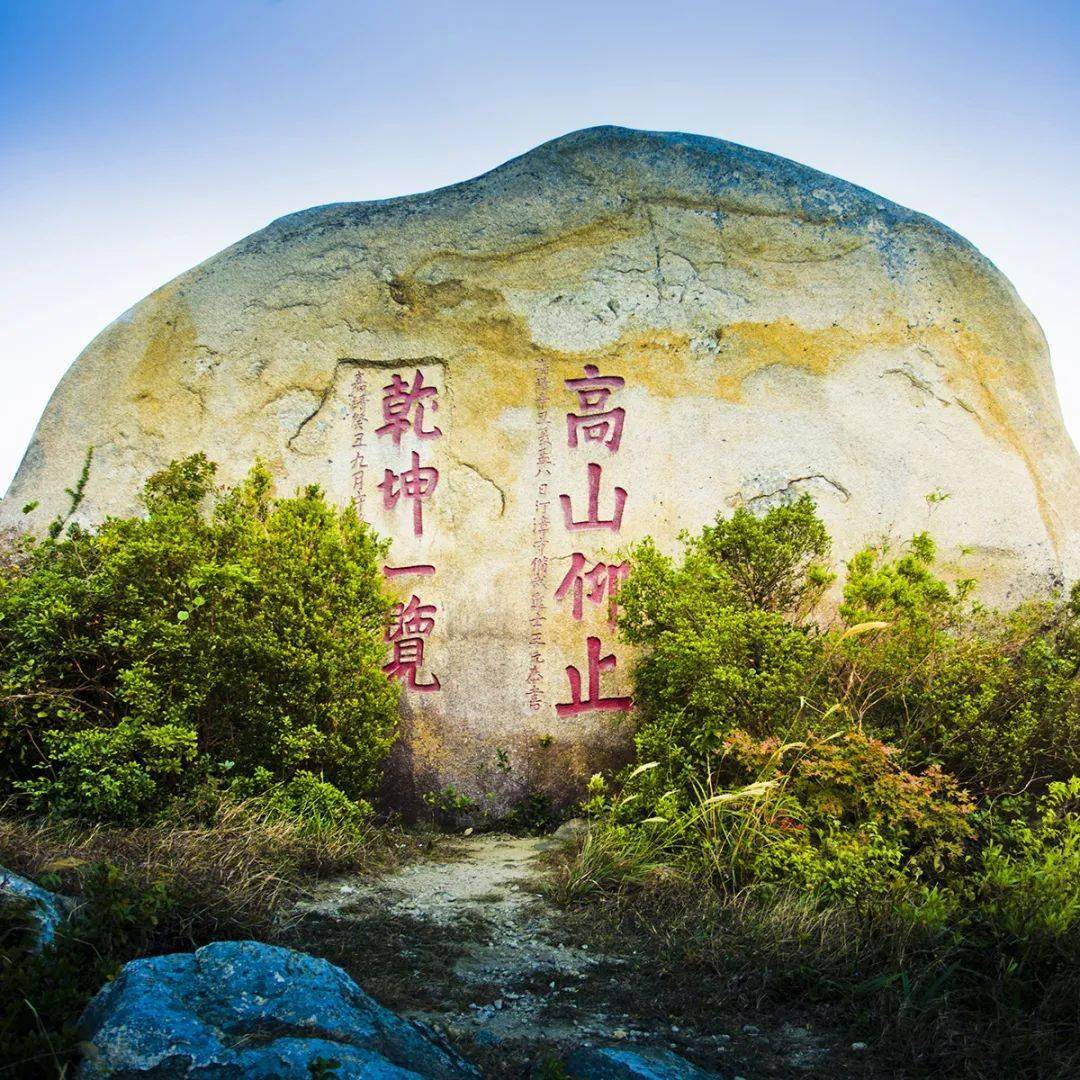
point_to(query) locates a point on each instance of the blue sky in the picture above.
(137, 138)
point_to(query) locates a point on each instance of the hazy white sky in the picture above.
(138, 138)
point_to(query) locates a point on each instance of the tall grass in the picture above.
(219, 869)
(234, 869)
(947, 997)
(715, 839)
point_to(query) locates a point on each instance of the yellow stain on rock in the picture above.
(170, 345)
(490, 353)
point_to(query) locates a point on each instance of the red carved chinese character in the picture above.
(596, 423)
(399, 400)
(603, 580)
(410, 618)
(408, 658)
(594, 390)
(593, 520)
(416, 483)
(410, 623)
(597, 666)
(420, 569)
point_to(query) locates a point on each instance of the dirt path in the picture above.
(465, 942)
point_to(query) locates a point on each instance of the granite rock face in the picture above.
(244, 1009)
(618, 334)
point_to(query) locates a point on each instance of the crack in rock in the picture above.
(483, 476)
(327, 391)
(324, 397)
(787, 488)
(918, 383)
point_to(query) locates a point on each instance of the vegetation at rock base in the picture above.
(226, 870)
(884, 806)
(192, 712)
(225, 636)
(871, 806)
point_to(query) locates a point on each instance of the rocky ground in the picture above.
(466, 942)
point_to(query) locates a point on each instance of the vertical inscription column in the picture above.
(358, 399)
(541, 528)
(408, 407)
(594, 427)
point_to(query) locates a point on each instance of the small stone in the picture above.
(749, 1029)
(639, 1063)
(858, 1047)
(44, 909)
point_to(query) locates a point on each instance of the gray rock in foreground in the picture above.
(244, 1009)
(46, 909)
(640, 1063)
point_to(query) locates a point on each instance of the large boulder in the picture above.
(618, 334)
(244, 1009)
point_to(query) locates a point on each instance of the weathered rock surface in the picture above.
(46, 909)
(776, 331)
(244, 1009)
(641, 1063)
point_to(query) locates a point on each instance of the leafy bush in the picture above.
(1027, 884)
(836, 816)
(724, 633)
(222, 633)
(880, 805)
(304, 797)
(731, 642)
(992, 697)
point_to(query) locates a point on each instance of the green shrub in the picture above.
(832, 801)
(223, 632)
(725, 640)
(797, 814)
(1026, 886)
(731, 641)
(304, 798)
(994, 698)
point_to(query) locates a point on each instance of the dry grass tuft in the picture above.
(237, 872)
